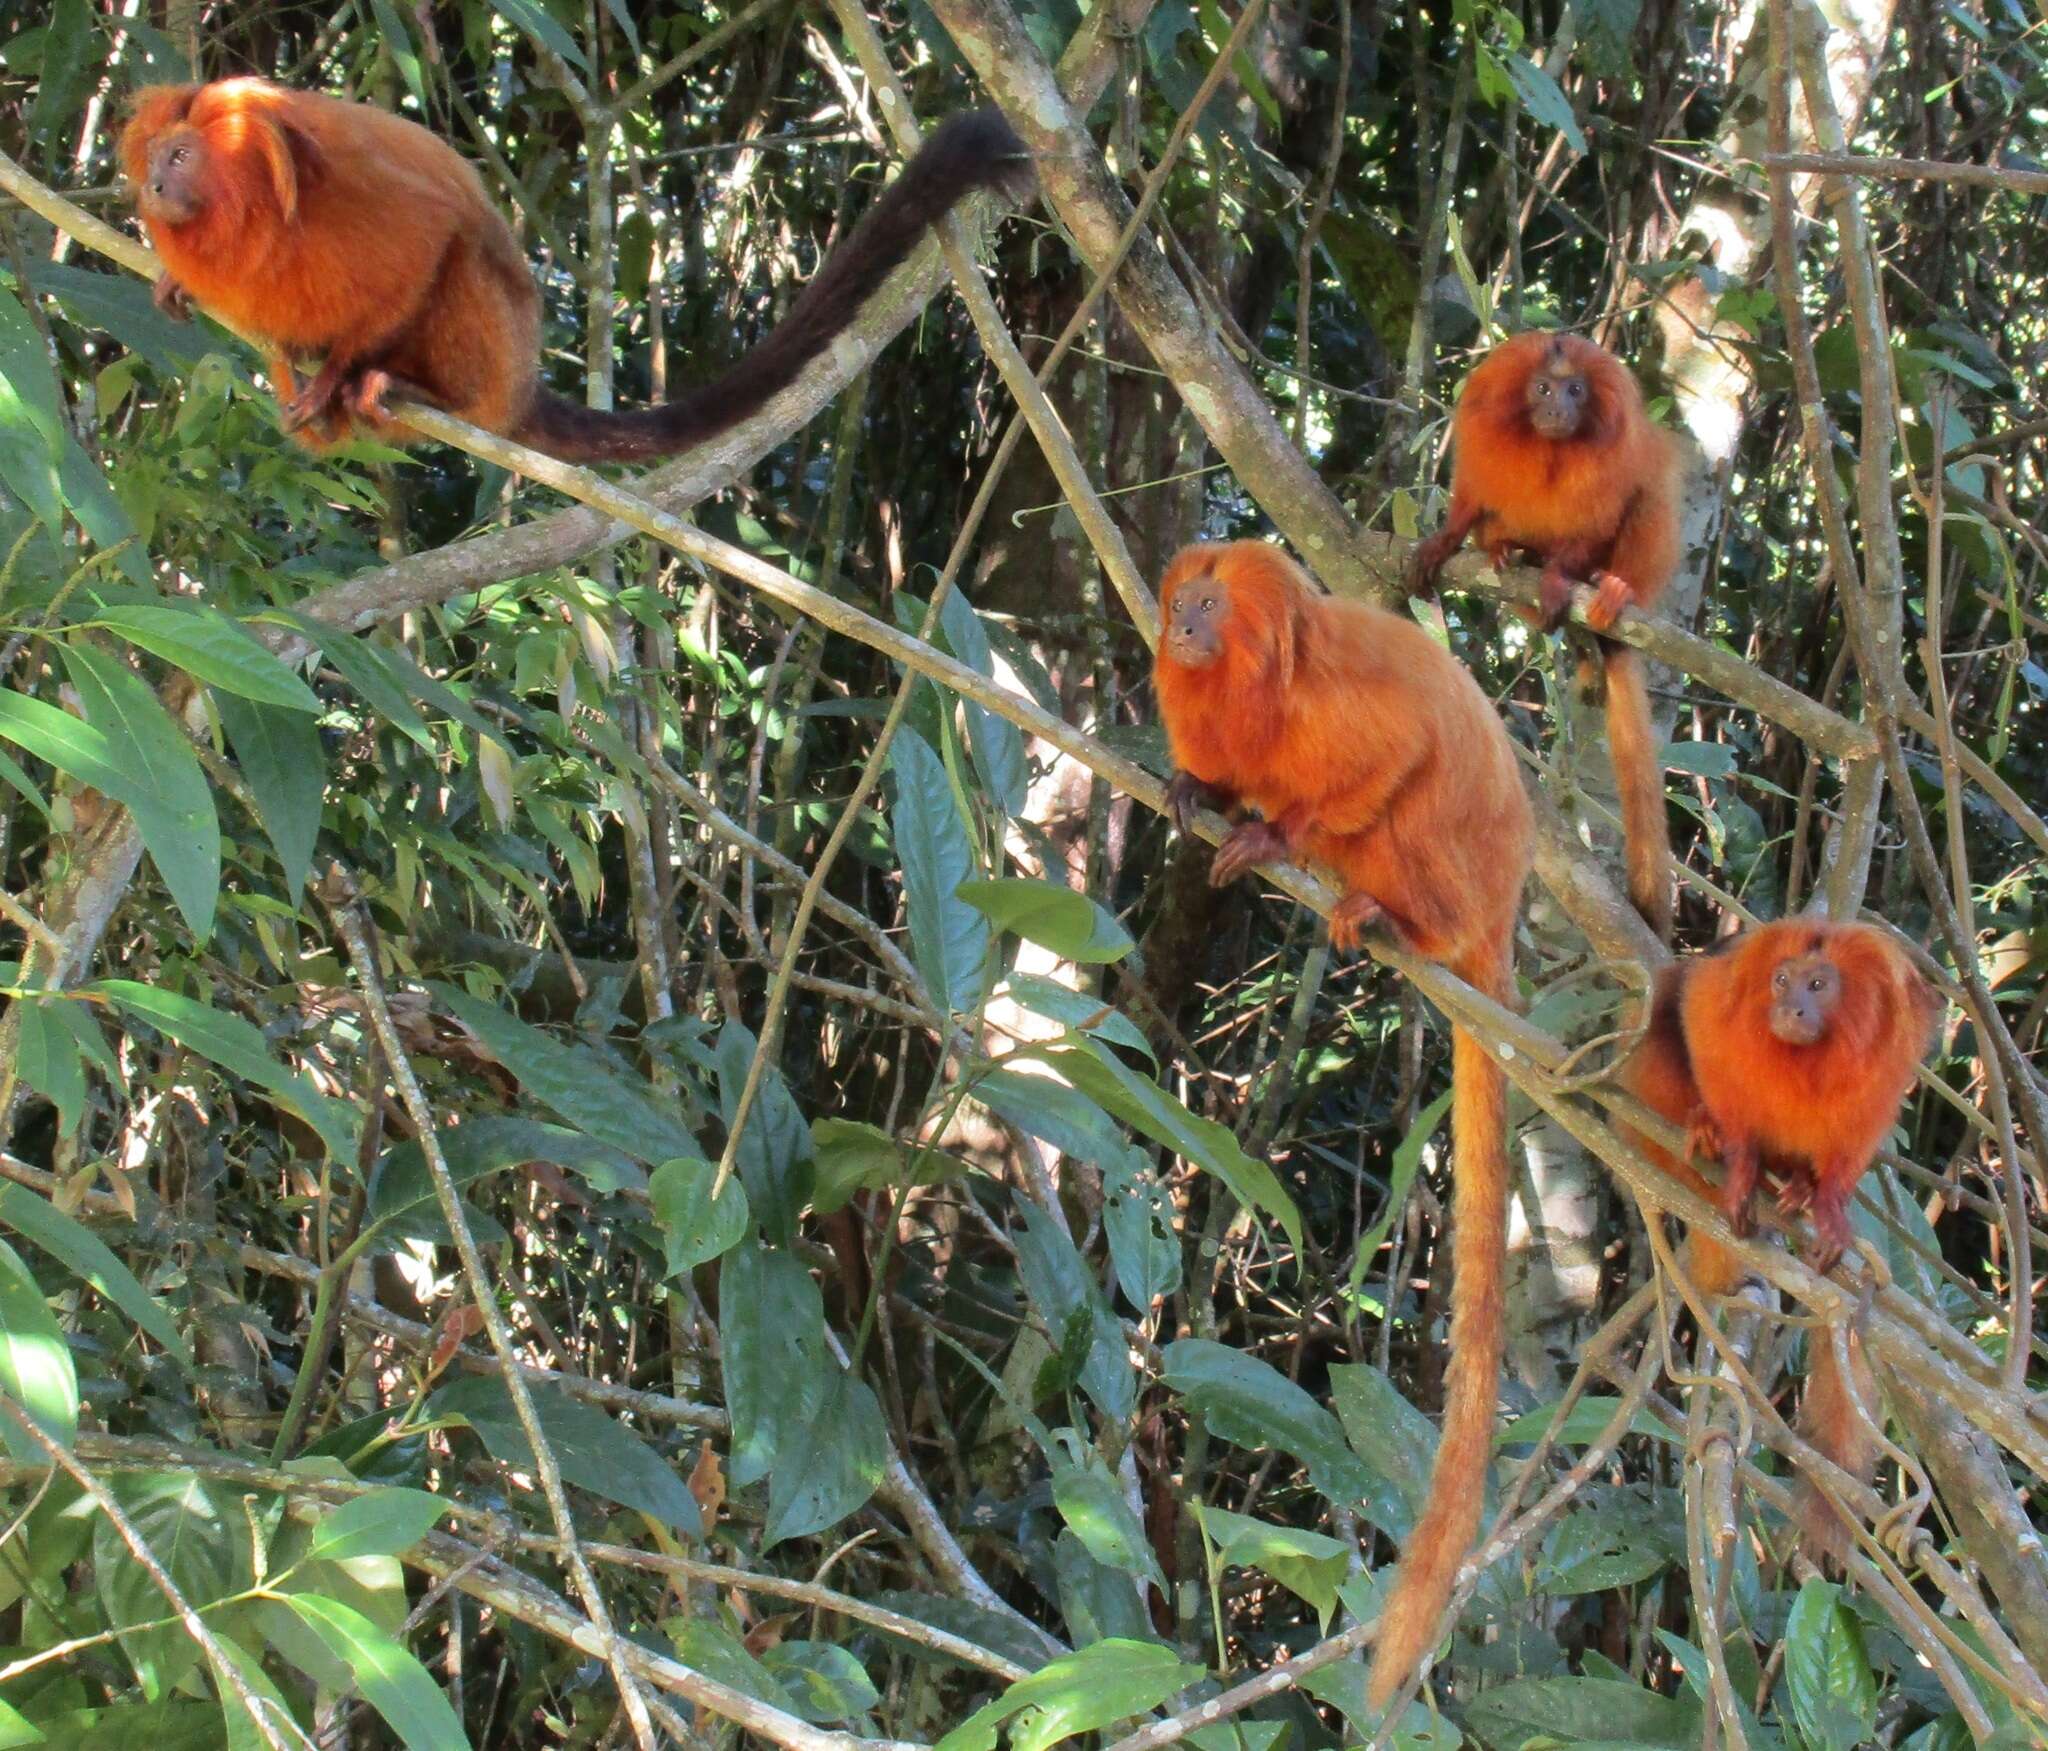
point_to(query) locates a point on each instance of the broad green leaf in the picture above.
(694, 1230)
(48, 1058)
(88, 1258)
(1827, 1672)
(212, 648)
(1049, 1110)
(708, 1646)
(173, 801)
(31, 414)
(1308, 1563)
(1588, 1417)
(1584, 1711)
(402, 1197)
(997, 743)
(381, 1523)
(1391, 1436)
(395, 1684)
(825, 1683)
(948, 938)
(986, 1627)
(595, 1451)
(367, 670)
(1096, 1602)
(122, 305)
(533, 18)
(1137, 1220)
(72, 746)
(1093, 1687)
(573, 1081)
(1081, 1010)
(1254, 1405)
(31, 793)
(1052, 915)
(1065, 1293)
(1545, 100)
(100, 514)
(774, 1156)
(36, 1370)
(230, 1042)
(829, 1463)
(850, 1157)
(1092, 1502)
(240, 1729)
(280, 755)
(1141, 1103)
(193, 1533)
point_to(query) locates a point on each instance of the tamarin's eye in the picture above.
(1208, 604)
(1779, 980)
(1815, 983)
(177, 155)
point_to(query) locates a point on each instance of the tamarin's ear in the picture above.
(292, 157)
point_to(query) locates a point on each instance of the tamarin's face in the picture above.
(1804, 992)
(1556, 398)
(1194, 622)
(173, 192)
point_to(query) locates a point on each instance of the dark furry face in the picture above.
(1557, 398)
(174, 191)
(1194, 622)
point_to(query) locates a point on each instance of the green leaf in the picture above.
(1049, 1110)
(100, 514)
(1141, 1103)
(573, 1081)
(1095, 1686)
(997, 743)
(36, 1370)
(395, 1684)
(382, 1523)
(1391, 1436)
(170, 798)
(694, 1230)
(534, 20)
(1067, 1297)
(230, 1042)
(73, 747)
(1308, 1563)
(1052, 915)
(47, 1056)
(1092, 1502)
(1827, 1672)
(1545, 100)
(949, 940)
(212, 648)
(1252, 1404)
(774, 1155)
(88, 1258)
(708, 1646)
(193, 1535)
(403, 1201)
(595, 1452)
(829, 1464)
(31, 414)
(849, 1157)
(366, 669)
(825, 1683)
(1137, 1220)
(1081, 1010)
(240, 1730)
(280, 755)
(1584, 1711)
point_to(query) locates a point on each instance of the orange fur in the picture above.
(320, 226)
(1369, 749)
(1812, 1115)
(1599, 507)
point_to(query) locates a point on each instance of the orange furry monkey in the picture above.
(1369, 748)
(1788, 1047)
(1555, 455)
(320, 226)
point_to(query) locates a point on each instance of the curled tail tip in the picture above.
(979, 149)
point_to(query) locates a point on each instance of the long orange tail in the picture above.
(1639, 783)
(1829, 1419)
(1413, 1615)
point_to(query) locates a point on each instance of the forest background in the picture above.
(624, 1124)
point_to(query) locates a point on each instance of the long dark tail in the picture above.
(1829, 1419)
(1639, 783)
(1413, 1615)
(977, 150)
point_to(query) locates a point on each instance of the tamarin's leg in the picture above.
(1740, 1163)
(1250, 843)
(1613, 594)
(1563, 567)
(1429, 556)
(1185, 793)
(1833, 1182)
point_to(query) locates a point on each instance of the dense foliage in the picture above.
(717, 995)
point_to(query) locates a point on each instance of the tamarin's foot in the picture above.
(1738, 1185)
(1250, 844)
(1185, 794)
(1610, 596)
(1426, 561)
(171, 298)
(1702, 1137)
(1555, 596)
(314, 405)
(1795, 1193)
(366, 394)
(1352, 917)
(1830, 1225)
